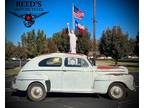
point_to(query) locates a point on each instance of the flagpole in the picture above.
(73, 16)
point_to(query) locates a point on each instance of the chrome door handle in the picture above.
(64, 70)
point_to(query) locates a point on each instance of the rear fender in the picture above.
(24, 79)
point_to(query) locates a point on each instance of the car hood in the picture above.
(111, 69)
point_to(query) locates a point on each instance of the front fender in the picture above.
(102, 82)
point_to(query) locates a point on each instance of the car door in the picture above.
(77, 75)
(52, 68)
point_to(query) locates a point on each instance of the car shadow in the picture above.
(19, 93)
(72, 95)
(103, 97)
(57, 94)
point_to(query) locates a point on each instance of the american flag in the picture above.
(78, 13)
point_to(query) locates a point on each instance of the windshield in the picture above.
(91, 60)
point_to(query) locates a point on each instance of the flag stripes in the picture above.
(78, 13)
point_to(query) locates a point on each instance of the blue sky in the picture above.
(123, 13)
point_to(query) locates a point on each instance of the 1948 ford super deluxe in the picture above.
(71, 73)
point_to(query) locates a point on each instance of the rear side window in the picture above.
(75, 62)
(51, 62)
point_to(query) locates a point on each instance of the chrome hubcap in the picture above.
(116, 92)
(36, 92)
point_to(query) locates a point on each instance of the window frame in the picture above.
(42, 63)
(66, 61)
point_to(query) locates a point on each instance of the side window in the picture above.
(75, 62)
(84, 63)
(53, 62)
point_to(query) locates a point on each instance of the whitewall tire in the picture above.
(36, 92)
(117, 91)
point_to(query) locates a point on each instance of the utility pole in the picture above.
(94, 30)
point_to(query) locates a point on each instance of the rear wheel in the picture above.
(36, 92)
(117, 91)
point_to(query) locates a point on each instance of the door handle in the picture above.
(64, 70)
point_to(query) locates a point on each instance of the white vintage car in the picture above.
(71, 73)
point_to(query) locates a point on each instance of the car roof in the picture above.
(33, 62)
(63, 55)
(58, 55)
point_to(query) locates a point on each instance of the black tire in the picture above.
(36, 92)
(117, 91)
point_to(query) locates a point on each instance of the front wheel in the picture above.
(117, 91)
(36, 92)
